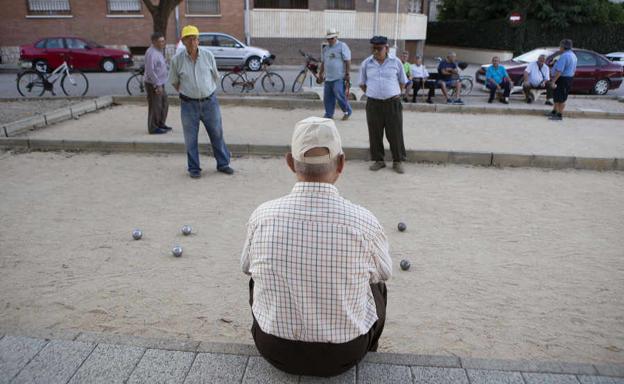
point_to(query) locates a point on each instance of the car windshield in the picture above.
(532, 56)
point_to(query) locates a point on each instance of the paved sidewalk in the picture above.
(103, 358)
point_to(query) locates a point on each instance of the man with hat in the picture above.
(317, 264)
(335, 66)
(383, 80)
(194, 75)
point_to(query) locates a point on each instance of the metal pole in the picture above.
(376, 18)
(396, 25)
(247, 32)
(177, 23)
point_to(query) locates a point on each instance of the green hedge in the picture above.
(498, 34)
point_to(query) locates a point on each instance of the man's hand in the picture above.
(158, 90)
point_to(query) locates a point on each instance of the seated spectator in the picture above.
(537, 76)
(406, 69)
(317, 264)
(497, 79)
(449, 77)
(419, 77)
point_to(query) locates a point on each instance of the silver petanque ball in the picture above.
(186, 230)
(137, 234)
(405, 265)
(177, 251)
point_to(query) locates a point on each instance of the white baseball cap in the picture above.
(315, 132)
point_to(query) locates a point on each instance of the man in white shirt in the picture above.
(420, 75)
(317, 264)
(537, 76)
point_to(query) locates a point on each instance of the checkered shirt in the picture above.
(313, 255)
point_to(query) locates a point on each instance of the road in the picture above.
(101, 84)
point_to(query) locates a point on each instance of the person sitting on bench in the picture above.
(449, 77)
(419, 77)
(497, 79)
(537, 76)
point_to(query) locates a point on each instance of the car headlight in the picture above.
(126, 56)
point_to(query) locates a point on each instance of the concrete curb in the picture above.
(352, 153)
(532, 366)
(74, 111)
(303, 101)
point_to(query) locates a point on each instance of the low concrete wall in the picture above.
(469, 55)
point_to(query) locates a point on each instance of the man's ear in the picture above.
(341, 163)
(291, 162)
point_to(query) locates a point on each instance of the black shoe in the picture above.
(158, 131)
(556, 117)
(490, 100)
(167, 128)
(505, 101)
(195, 174)
(551, 113)
(227, 170)
(429, 101)
(529, 100)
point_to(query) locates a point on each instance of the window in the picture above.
(285, 4)
(227, 42)
(76, 44)
(202, 7)
(414, 6)
(54, 43)
(585, 59)
(49, 7)
(124, 6)
(341, 4)
(40, 44)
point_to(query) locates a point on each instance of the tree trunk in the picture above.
(160, 13)
(160, 19)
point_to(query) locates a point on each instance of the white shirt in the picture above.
(312, 256)
(419, 71)
(382, 79)
(537, 75)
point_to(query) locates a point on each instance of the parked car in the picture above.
(594, 72)
(616, 57)
(83, 54)
(230, 52)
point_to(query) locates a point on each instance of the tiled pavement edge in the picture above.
(88, 357)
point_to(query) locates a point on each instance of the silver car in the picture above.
(230, 52)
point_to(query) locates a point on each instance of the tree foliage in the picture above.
(557, 13)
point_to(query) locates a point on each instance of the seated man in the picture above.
(449, 77)
(537, 76)
(317, 263)
(419, 78)
(406, 69)
(497, 78)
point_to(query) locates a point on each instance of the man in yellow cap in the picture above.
(194, 75)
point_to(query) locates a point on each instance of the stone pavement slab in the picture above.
(370, 373)
(549, 378)
(349, 377)
(56, 363)
(600, 380)
(160, 366)
(15, 353)
(259, 371)
(479, 376)
(108, 364)
(432, 375)
(217, 368)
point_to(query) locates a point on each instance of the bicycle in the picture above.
(34, 82)
(311, 65)
(135, 85)
(238, 81)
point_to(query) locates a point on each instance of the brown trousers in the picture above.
(157, 108)
(320, 359)
(385, 115)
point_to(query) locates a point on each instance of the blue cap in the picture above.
(381, 40)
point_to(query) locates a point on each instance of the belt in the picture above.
(397, 97)
(186, 98)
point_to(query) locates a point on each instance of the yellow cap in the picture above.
(190, 30)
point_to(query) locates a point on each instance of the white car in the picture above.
(616, 57)
(230, 52)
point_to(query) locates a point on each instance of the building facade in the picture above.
(281, 26)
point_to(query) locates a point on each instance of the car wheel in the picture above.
(601, 87)
(108, 65)
(254, 63)
(40, 65)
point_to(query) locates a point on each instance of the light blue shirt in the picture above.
(155, 67)
(496, 74)
(566, 64)
(197, 79)
(334, 58)
(382, 80)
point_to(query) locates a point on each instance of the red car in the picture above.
(82, 54)
(594, 72)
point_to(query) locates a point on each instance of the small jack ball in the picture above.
(177, 251)
(186, 230)
(402, 227)
(137, 234)
(405, 265)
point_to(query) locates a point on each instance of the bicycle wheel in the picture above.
(30, 83)
(135, 85)
(298, 84)
(466, 86)
(75, 83)
(232, 83)
(272, 82)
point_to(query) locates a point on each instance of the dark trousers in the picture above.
(385, 115)
(157, 108)
(417, 84)
(526, 87)
(505, 85)
(320, 359)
